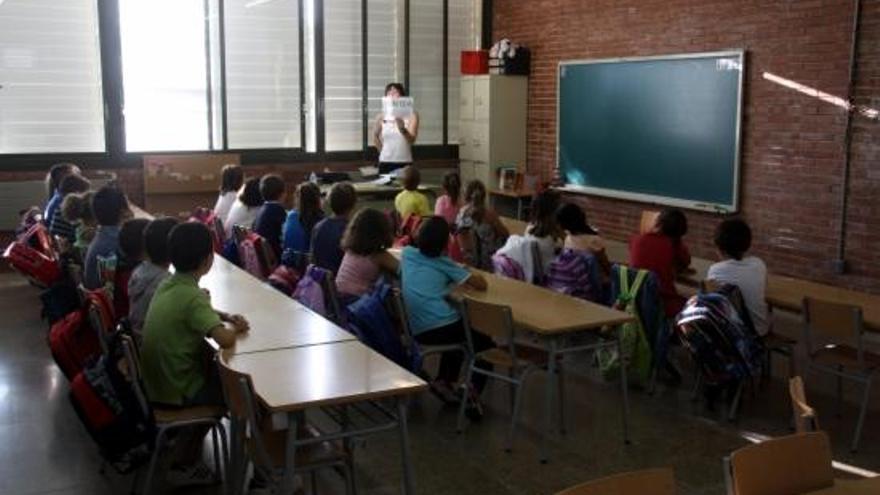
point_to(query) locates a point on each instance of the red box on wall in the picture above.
(475, 62)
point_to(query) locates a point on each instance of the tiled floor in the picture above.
(45, 450)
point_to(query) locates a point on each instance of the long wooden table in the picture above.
(783, 292)
(299, 360)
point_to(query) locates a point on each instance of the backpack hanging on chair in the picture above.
(636, 352)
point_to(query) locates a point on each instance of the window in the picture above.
(385, 34)
(464, 34)
(343, 75)
(50, 77)
(165, 75)
(262, 73)
(426, 67)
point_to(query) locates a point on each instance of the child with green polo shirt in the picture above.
(179, 318)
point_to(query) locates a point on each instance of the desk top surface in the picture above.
(298, 378)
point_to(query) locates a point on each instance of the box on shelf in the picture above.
(474, 62)
(520, 65)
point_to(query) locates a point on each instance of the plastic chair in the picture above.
(645, 482)
(168, 420)
(799, 463)
(266, 447)
(805, 419)
(648, 220)
(519, 360)
(833, 334)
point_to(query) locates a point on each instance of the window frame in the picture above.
(115, 155)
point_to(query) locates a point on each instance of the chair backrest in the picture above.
(649, 219)
(133, 368)
(331, 295)
(238, 391)
(645, 482)
(493, 320)
(399, 311)
(805, 418)
(797, 463)
(828, 322)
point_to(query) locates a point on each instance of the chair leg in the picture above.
(465, 387)
(698, 384)
(839, 392)
(313, 481)
(514, 418)
(215, 444)
(734, 404)
(858, 433)
(512, 390)
(224, 451)
(154, 459)
(560, 382)
(350, 485)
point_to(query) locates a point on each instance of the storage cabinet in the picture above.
(493, 117)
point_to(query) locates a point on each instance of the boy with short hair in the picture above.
(733, 238)
(326, 246)
(410, 201)
(108, 206)
(179, 318)
(151, 272)
(271, 216)
(129, 257)
(60, 227)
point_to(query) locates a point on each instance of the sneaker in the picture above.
(444, 391)
(197, 474)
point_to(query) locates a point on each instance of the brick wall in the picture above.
(792, 151)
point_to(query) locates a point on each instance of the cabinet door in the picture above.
(481, 98)
(465, 140)
(478, 140)
(466, 171)
(466, 99)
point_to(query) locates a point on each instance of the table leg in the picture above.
(519, 203)
(548, 398)
(288, 481)
(624, 388)
(237, 461)
(408, 488)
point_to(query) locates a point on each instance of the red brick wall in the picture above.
(792, 151)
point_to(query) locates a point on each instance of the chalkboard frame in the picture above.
(740, 55)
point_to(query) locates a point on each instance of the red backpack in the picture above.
(33, 256)
(73, 343)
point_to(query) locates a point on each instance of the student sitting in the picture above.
(271, 216)
(231, 180)
(543, 227)
(581, 237)
(410, 201)
(151, 272)
(302, 219)
(480, 231)
(366, 242)
(449, 203)
(247, 205)
(663, 252)
(60, 227)
(179, 318)
(326, 236)
(426, 277)
(108, 205)
(53, 181)
(130, 256)
(77, 211)
(733, 238)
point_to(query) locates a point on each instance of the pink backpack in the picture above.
(506, 267)
(309, 292)
(285, 279)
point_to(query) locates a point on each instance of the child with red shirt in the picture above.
(662, 251)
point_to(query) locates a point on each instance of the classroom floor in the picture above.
(45, 450)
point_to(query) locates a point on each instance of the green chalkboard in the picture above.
(660, 129)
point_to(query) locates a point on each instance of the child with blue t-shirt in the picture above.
(427, 276)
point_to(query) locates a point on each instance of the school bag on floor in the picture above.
(723, 346)
(635, 355)
(309, 291)
(32, 256)
(73, 342)
(105, 402)
(370, 320)
(575, 273)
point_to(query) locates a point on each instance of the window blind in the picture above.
(384, 51)
(426, 67)
(343, 78)
(50, 77)
(464, 34)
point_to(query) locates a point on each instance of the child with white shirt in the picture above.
(733, 238)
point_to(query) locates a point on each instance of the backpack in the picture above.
(285, 279)
(73, 343)
(208, 218)
(724, 347)
(250, 249)
(575, 273)
(229, 252)
(105, 402)
(370, 320)
(32, 256)
(506, 267)
(59, 300)
(29, 217)
(407, 237)
(636, 351)
(309, 291)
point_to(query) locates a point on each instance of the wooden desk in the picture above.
(864, 486)
(787, 293)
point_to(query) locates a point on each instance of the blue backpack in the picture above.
(370, 321)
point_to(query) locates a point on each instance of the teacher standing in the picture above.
(394, 137)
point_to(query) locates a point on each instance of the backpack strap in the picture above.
(628, 294)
